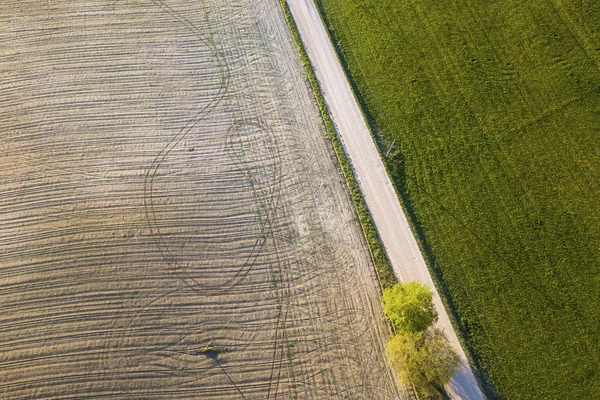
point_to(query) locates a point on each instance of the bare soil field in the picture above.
(172, 222)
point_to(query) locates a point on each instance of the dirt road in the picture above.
(379, 194)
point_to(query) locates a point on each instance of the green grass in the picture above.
(385, 274)
(494, 107)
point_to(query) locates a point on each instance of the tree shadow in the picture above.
(213, 354)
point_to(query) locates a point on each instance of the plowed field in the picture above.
(172, 222)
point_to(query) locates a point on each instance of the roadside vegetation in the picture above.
(385, 274)
(419, 353)
(488, 117)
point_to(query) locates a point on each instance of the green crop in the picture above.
(488, 117)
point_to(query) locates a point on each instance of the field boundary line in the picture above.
(467, 383)
(383, 268)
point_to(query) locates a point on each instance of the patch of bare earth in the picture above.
(172, 224)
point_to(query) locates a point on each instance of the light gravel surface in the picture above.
(167, 186)
(393, 227)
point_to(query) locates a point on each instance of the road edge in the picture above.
(383, 267)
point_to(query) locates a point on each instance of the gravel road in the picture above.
(375, 184)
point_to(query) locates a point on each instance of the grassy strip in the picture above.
(493, 108)
(383, 267)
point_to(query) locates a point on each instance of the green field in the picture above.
(489, 113)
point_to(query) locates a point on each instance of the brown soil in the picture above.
(172, 224)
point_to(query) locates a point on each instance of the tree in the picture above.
(409, 306)
(425, 360)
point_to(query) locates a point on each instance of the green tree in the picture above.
(409, 306)
(425, 360)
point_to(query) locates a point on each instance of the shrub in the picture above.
(424, 360)
(409, 306)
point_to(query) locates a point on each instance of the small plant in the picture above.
(209, 350)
